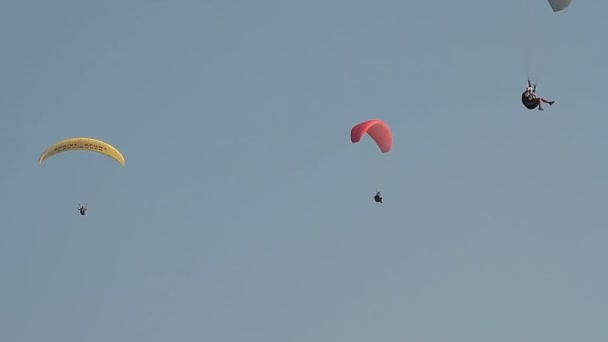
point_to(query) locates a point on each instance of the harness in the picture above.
(528, 102)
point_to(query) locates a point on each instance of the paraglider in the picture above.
(558, 5)
(85, 144)
(82, 209)
(381, 134)
(530, 100)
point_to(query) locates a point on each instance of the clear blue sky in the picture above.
(244, 213)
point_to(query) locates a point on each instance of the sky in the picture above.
(244, 212)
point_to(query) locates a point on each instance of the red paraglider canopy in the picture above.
(377, 129)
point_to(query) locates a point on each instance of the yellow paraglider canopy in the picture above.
(86, 144)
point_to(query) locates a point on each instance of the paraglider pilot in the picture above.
(530, 100)
(82, 209)
(378, 197)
